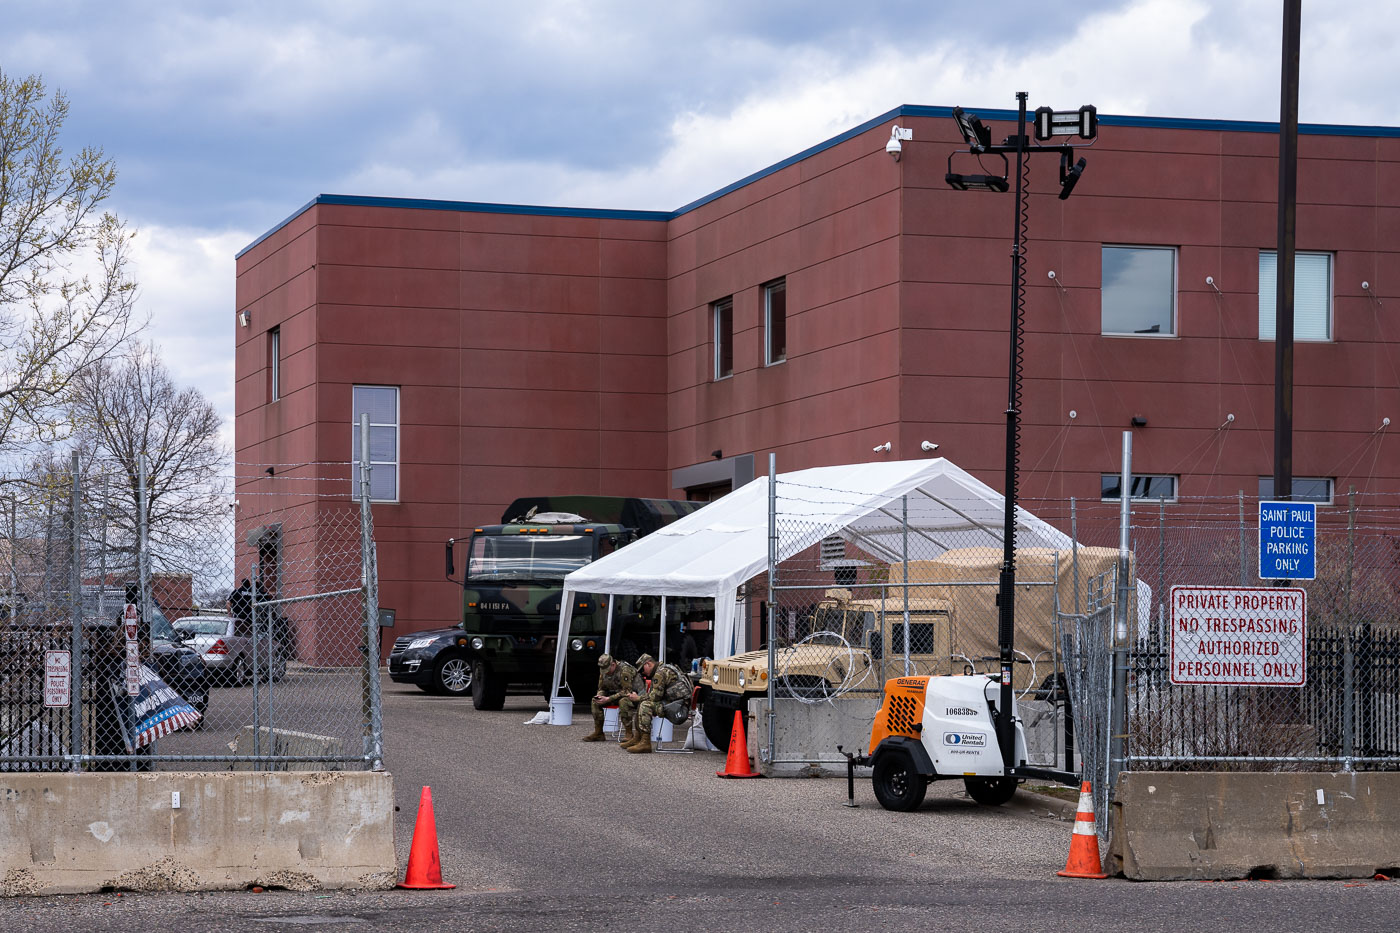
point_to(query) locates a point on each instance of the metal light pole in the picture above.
(1049, 124)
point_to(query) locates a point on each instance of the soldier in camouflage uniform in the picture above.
(614, 682)
(627, 706)
(669, 697)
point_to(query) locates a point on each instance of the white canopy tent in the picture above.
(715, 550)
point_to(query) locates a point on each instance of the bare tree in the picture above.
(65, 293)
(123, 408)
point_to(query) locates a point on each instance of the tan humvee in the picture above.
(952, 628)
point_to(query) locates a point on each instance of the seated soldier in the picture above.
(627, 706)
(614, 682)
(669, 697)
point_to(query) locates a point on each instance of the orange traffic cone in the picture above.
(737, 764)
(424, 867)
(1084, 843)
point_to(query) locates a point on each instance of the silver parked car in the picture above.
(226, 645)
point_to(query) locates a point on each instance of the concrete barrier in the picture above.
(1169, 826)
(74, 833)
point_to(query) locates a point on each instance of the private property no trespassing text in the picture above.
(1240, 636)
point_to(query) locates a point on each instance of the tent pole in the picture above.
(772, 597)
(607, 630)
(661, 652)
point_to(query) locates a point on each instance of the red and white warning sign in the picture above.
(58, 678)
(133, 651)
(1239, 636)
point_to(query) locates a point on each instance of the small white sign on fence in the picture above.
(1239, 636)
(58, 678)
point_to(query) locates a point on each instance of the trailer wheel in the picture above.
(897, 785)
(990, 791)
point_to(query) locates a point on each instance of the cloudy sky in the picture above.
(224, 118)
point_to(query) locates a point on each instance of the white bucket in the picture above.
(561, 711)
(661, 729)
(611, 720)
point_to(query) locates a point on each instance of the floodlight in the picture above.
(1069, 177)
(976, 182)
(1083, 122)
(977, 136)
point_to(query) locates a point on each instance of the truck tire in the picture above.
(990, 791)
(718, 721)
(452, 676)
(897, 785)
(488, 690)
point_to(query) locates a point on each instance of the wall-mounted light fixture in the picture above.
(244, 317)
(717, 454)
(1139, 421)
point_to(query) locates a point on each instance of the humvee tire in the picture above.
(718, 722)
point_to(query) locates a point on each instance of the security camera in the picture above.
(1050, 275)
(1210, 280)
(928, 445)
(897, 133)
(882, 448)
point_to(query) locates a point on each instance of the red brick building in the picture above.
(818, 309)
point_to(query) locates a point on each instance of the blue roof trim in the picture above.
(906, 110)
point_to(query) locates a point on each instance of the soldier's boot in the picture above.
(596, 735)
(641, 746)
(627, 737)
(629, 741)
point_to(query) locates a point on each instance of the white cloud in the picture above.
(186, 279)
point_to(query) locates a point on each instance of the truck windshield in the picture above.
(527, 557)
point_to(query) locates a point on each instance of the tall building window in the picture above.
(1143, 486)
(1138, 291)
(775, 322)
(274, 364)
(381, 403)
(1312, 295)
(723, 313)
(1305, 489)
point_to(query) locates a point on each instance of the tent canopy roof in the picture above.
(713, 551)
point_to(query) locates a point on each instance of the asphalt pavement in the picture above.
(540, 831)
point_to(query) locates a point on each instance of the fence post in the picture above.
(143, 562)
(1349, 644)
(1118, 717)
(369, 581)
(75, 588)
(772, 598)
(1244, 558)
(904, 531)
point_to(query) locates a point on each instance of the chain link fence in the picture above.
(1254, 675)
(232, 627)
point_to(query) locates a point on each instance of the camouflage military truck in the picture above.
(512, 584)
(853, 640)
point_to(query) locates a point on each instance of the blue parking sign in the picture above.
(1287, 540)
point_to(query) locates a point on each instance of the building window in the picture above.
(775, 322)
(274, 364)
(1138, 292)
(1305, 489)
(381, 403)
(1312, 295)
(723, 313)
(1144, 486)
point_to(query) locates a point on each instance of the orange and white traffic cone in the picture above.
(736, 763)
(424, 866)
(1084, 843)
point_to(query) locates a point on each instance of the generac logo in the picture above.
(910, 682)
